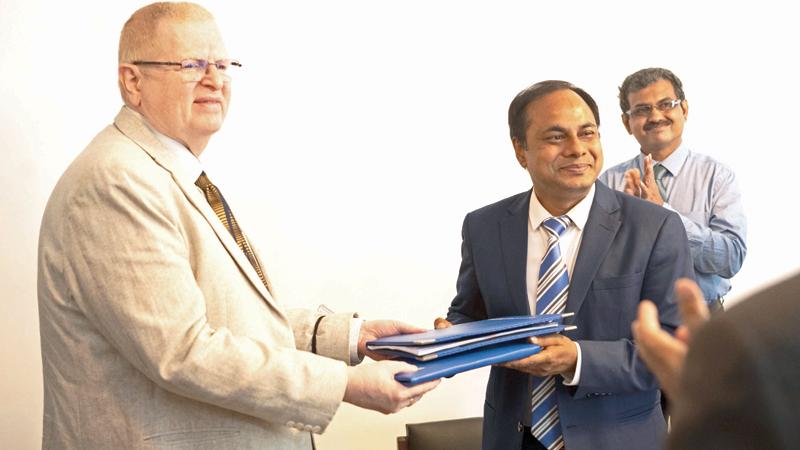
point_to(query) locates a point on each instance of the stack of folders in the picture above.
(448, 351)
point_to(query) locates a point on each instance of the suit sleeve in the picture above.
(333, 332)
(614, 367)
(468, 305)
(130, 274)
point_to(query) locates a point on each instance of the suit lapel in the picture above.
(514, 244)
(132, 125)
(601, 227)
(198, 200)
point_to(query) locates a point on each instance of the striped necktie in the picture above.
(658, 172)
(225, 215)
(551, 298)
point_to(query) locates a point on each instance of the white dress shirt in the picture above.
(569, 243)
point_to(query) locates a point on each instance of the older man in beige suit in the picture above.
(158, 325)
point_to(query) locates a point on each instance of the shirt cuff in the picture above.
(355, 332)
(577, 377)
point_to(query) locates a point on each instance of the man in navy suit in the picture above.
(616, 249)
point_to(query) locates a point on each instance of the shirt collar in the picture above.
(579, 213)
(673, 163)
(188, 164)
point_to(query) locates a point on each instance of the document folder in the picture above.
(467, 330)
(448, 351)
(434, 351)
(445, 367)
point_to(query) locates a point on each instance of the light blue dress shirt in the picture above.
(706, 196)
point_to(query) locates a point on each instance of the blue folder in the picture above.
(448, 351)
(446, 367)
(466, 330)
(435, 351)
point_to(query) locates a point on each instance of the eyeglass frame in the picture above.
(663, 106)
(200, 70)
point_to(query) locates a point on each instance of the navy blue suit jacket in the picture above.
(630, 250)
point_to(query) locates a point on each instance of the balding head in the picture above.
(139, 35)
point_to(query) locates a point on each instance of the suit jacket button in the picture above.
(520, 427)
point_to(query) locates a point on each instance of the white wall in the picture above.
(362, 132)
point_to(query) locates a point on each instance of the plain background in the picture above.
(361, 132)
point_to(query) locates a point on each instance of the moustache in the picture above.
(650, 125)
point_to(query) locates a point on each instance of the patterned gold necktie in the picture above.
(223, 212)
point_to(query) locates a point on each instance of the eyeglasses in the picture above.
(195, 69)
(646, 110)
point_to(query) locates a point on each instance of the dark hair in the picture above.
(517, 115)
(645, 77)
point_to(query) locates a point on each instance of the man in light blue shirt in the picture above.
(667, 172)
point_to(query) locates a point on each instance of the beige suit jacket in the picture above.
(156, 331)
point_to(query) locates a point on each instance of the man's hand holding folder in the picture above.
(559, 355)
(370, 384)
